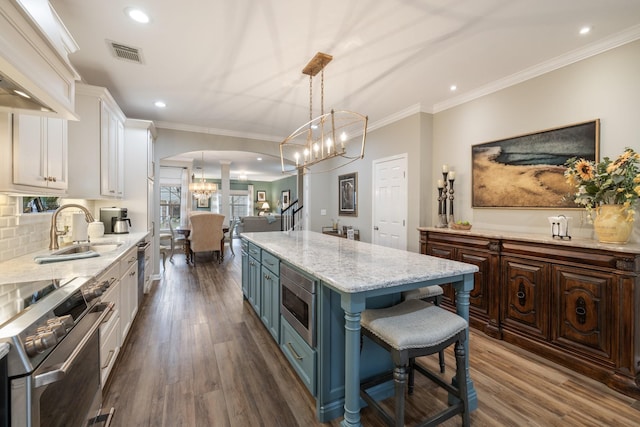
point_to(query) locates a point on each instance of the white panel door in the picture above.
(390, 202)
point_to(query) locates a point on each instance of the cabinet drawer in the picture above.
(271, 262)
(129, 259)
(300, 355)
(255, 252)
(109, 347)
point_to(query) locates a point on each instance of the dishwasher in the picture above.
(142, 248)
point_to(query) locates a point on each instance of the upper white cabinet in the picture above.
(96, 146)
(40, 151)
(33, 155)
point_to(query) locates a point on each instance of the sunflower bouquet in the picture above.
(606, 182)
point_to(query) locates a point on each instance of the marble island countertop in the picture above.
(24, 268)
(353, 266)
(579, 242)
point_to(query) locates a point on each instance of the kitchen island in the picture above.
(356, 272)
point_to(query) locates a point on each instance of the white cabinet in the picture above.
(128, 291)
(110, 331)
(111, 152)
(34, 155)
(96, 146)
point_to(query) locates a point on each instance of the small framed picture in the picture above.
(261, 196)
(348, 194)
(203, 202)
(286, 198)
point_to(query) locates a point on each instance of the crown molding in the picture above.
(612, 42)
(409, 111)
(214, 131)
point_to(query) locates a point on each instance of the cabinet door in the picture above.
(109, 152)
(29, 151)
(479, 296)
(254, 284)
(119, 160)
(270, 302)
(526, 296)
(245, 271)
(583, 311)
(56, 138)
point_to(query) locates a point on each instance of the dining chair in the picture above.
(229, 235)
(177, 240)
(206, 234)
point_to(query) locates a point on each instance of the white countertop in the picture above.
(577, 242)
(24, 268)
(352, 266)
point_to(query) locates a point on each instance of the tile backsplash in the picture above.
(21, 234)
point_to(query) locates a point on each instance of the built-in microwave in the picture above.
(298, 302)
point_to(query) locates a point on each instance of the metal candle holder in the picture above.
(451, 217)
(442, 203)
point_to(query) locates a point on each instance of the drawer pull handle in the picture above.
(294, 352)
(108, 361)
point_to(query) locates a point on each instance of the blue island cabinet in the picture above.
(261, 285)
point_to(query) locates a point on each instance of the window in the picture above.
(169, 205)
(32, 204)
(239, 204)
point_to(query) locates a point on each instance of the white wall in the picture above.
(606, 86)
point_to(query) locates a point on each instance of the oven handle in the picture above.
(57, 374)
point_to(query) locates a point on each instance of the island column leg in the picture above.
(352, 312)
(463, 289)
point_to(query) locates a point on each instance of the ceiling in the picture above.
(235, 67)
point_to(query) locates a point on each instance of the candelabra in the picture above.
(451, 217)
(445, 192)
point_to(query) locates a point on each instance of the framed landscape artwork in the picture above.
(348, 194)
(261, 196)
(203, 202)
(527, 171)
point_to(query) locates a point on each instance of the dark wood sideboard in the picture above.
(576, 303)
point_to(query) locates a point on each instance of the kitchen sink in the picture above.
(80, 251)
(100, 247)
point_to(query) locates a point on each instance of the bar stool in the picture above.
(432, 294)
(411, 329)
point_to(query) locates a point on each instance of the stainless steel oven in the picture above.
(298, 302)
(53, 364)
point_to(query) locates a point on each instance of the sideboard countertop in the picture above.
(578, 242)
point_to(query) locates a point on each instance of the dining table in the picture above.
(186, 231)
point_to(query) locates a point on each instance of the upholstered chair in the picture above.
(206, 233)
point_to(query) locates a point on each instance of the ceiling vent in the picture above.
(126, 53)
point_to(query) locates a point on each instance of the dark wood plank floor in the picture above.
(198, 355)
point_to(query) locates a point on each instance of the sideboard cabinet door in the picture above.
(525, 298)
(583, 311)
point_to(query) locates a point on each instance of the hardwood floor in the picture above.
(198, 355)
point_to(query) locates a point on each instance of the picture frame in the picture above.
(203, 202)
(348, 194)
(286, 198)
(261, 196)
(527, 171)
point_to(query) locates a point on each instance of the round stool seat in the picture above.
(412, 324)
(421, 293)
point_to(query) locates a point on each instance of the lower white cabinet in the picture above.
(128, 291)
(110, 329)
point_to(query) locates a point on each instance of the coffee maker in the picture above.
(115, 220)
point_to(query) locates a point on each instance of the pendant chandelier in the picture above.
(328, 141)
(202, 189)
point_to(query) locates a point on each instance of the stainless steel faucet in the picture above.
(54, 232)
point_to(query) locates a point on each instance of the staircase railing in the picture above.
(290, 216)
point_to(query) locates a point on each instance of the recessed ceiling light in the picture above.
(259, 159)
(453, 88)
(137, 15)
(160, 104)
(585, 30)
